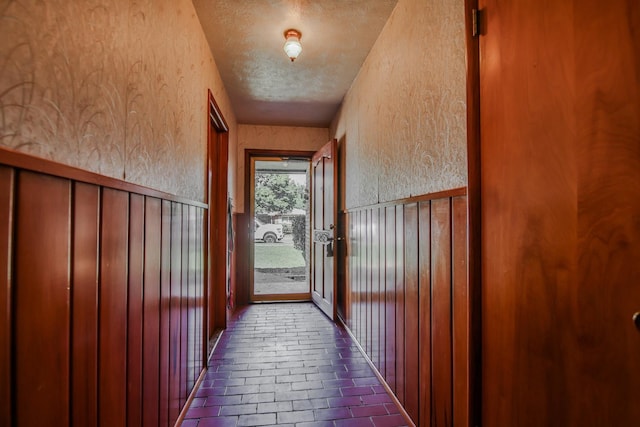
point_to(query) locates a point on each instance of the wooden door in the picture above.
(324, 181)
(560, 187)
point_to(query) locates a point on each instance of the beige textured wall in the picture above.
(117, 87)
(273, 138)
(402, 126)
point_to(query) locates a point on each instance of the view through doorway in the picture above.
(280, 221)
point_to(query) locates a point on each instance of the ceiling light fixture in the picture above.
(292, 46)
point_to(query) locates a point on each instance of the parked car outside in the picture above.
(268, 233)
(286, 227)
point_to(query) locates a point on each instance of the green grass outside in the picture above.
(277, 256)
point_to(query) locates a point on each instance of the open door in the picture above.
(324, 211)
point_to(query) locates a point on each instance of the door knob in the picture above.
(636, 320)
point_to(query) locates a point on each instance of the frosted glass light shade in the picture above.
(292, 46)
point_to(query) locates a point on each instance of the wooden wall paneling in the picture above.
(353, 256)
(7, 186)
(412, 338)
(441, 312)
(42, 300)
(196, 298)
(461, 306)
(363, 279)
(165, 313)
(375, 287)
(95, 290)
(344, 281)
(390, 282)
(202, 343)
(367, 281)
(347, 285)
(342, 264)
(353, 248)
(198, 338)
(356, 276)
(113, 308)
(359, 300)
(198, 293)
(382, 306)
(209, 303)
(187, 303)
(400, 306)
(192, 300)
(84, 303)
(362, 290)
(135, 309)
(424, 267)
(407, 257)
(184, 307)
(202, 247)
(151, 374)
(204, 347)
(175, 324)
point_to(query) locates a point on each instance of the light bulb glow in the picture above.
(292, 46)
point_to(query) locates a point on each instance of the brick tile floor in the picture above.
(286, 364)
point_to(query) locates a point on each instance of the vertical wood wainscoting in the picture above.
(407, 301)
(102, 298)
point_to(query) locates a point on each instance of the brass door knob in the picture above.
(636, 320)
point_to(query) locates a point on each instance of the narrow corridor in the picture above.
(287, 364)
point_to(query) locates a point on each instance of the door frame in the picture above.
(216, 222)
(472, 389)
(249, 155)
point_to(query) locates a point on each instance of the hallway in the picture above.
(287, 364)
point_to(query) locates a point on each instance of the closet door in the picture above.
(560, 187)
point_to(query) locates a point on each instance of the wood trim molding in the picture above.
(48, 167)
(192, 395)
(217, 193)
(462, 191)
(215, 115)
(474, 225)
(245, 248)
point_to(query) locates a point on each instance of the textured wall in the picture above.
(117, 87)
(273, 138)
(402, 126)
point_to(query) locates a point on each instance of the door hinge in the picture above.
(476, 16)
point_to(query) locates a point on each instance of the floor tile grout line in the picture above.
(334, 382)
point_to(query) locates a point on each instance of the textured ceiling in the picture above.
(265, 87)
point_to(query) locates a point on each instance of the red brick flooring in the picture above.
(288, 365)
